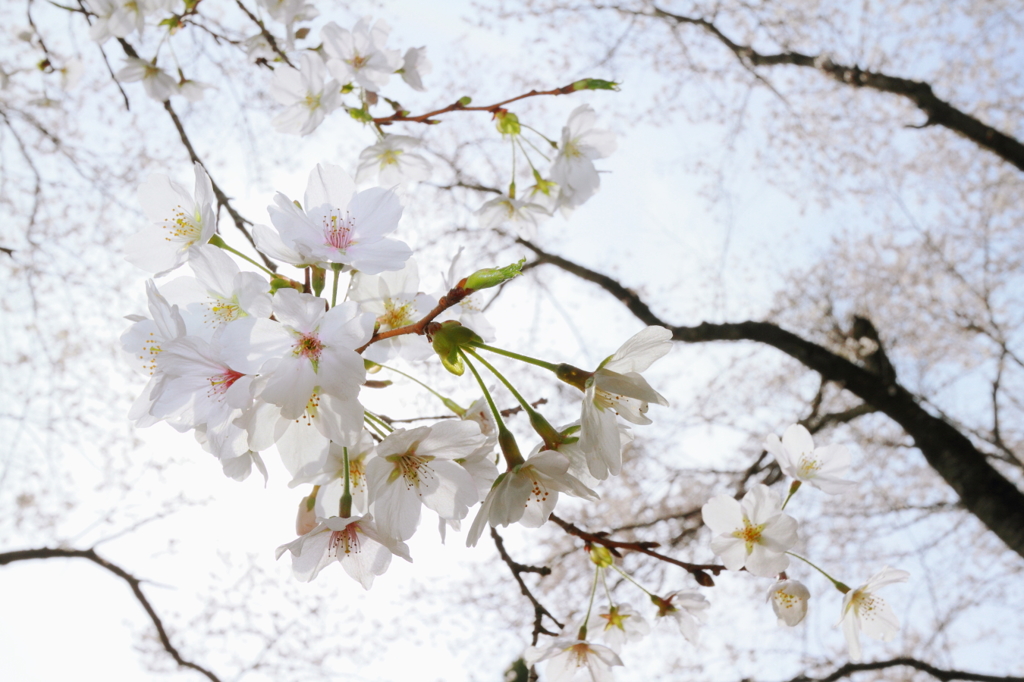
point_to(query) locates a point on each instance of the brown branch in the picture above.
(982, 490)
(938, 673)
(133, 582)
(401, 117)
(539, 610)
(698, 571)
(453, 297)
(938, 111)
(266, 34)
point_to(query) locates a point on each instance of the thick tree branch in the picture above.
(983, 491)
(938, 111)
(939, 674)
(133, 582)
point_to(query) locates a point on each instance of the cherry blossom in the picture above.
(566, 657)
(523, 216)
(393, 161)
(573, 168)
(159, 84)
(864, 611)
(182, 222)
(618, 624)
(306, 95)
(821, 467)
(528, 493)
(617, 388)
(354, 542)
(336, 226)
(415, 468)
(360, 55)
(394, 301)
(306, 347)
(753, 533)
(143, 342)
(687, 609)
(789, 601)
(415, 65)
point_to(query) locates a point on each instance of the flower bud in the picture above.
(318, 279)
(448, 337)
(600, 555)
(492, 277)
(594, 84)
(305, 520)
(465, 101)
(508, 123)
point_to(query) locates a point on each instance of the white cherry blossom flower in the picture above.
(159, 84)
(394, 301)
(305, 348)
(789, 601)
(864, 611)
(415, 468)
(360, 56)
(753, 533)
(192, 90)
(331, 477)
(566, 657)
(687, 609)
(143, 342)
(393, 160)
(522, 215)
(219, 294)
(288, 12)
(354, 542)
(257, 47)
(617, 388)
(528, 493)
(336, 226)
(822, 467)
(181, 222)
(306, 95)
(618, 624)
(573, 168)
(119, 18)
(415, 65)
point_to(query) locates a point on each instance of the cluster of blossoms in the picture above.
(754, 534)
(249, 362)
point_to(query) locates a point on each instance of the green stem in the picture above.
(546, 138)
(387, 427)
(509, 447)
(448, 402)
(793, 487)
(516, 356)
(628, 577)
(607, 592)
(345, 506)
(842, 587)
(593, 591)
(372, 425)
(552, 439)
(216, 240)
(334, 289)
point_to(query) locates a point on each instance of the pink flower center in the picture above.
(309, 346)
(220, 383)
(344, 541)
(338, 231)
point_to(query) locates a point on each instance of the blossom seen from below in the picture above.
(752, 533)
(336, 225)
(182, 222)
(415, 65)
(359, 55)
(305, 93)
(394, 301)
(521, 215)
(573, 168)
(687, 609)
(393, 161)
(617, 388)
(618, 624)
(159, 84)
(789, 601)
(821, 467)
(566, 657)
(354, 542)
(864, 611)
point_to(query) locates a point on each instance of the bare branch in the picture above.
(539, 610)
(938, 673)
(133, 582)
